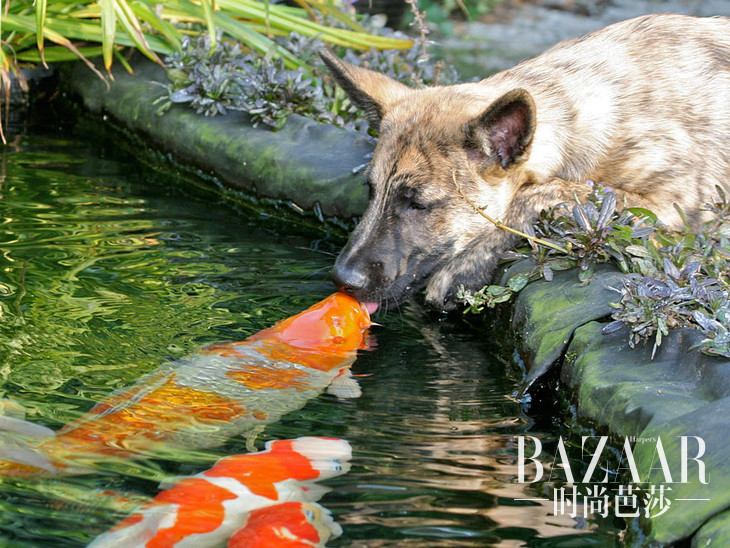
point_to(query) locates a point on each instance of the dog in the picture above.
(642, 106)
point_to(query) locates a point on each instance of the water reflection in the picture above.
(434, 438)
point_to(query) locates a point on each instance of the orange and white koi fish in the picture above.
(261, 500)
(210, 396)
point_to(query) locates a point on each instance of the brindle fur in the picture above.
(642, 105)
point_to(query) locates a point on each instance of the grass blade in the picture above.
(208, 15)
(332, 11)
(58, 54)
(40, 19)
(241, 31)
(131, 25)
(108, 31)
(283, 19)
(123, 61)
(157, 22)
(74, 29)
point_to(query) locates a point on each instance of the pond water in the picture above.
(107, 273)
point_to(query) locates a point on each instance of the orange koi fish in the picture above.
(210, 396)
(254, 500)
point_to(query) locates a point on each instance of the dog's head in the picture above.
(441, 152)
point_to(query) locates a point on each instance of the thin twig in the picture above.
(419, 21)
(501, 225)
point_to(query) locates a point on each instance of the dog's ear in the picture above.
(504, 130)
(370, 91)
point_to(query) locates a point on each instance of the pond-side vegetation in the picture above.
(216, 80)
(44, 32)
(675, 278)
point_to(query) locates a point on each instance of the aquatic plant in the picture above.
(674, 278)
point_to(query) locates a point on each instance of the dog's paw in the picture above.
(441, 291)
(445, 284)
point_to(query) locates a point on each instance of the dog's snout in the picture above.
(349, 279)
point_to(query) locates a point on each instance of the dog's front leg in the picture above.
(474, 266)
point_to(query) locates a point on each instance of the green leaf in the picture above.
(145, 13)
(642, 212)
(585, 275)
(108, 31)
(208, 15)
(129, 22)
(562, 263)
(119, 57)
(40, 19)
(638, 251)
(57, 54)
(517, 283)
(495, 290)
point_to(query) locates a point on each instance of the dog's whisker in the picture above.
(397, 307)
(315, 250)
(311, 274)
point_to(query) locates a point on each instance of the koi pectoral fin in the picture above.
(16, 452)
(345, 386)
(24, 429)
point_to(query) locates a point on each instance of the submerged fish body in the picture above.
(217, 393)
(259, 500)
(288, 525)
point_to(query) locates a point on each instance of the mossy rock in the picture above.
(677, 392)
(694, 504)
(547, 313)
(307, 164)
(715, 532)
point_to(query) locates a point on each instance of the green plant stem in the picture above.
(500, 225)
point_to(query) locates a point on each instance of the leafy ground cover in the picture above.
(230, 77)
(674, 278)
(215, 76)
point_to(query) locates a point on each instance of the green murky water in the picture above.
(104, 276)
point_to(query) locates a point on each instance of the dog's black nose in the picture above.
(348, 279)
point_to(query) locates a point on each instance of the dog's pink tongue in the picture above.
(371, 307)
